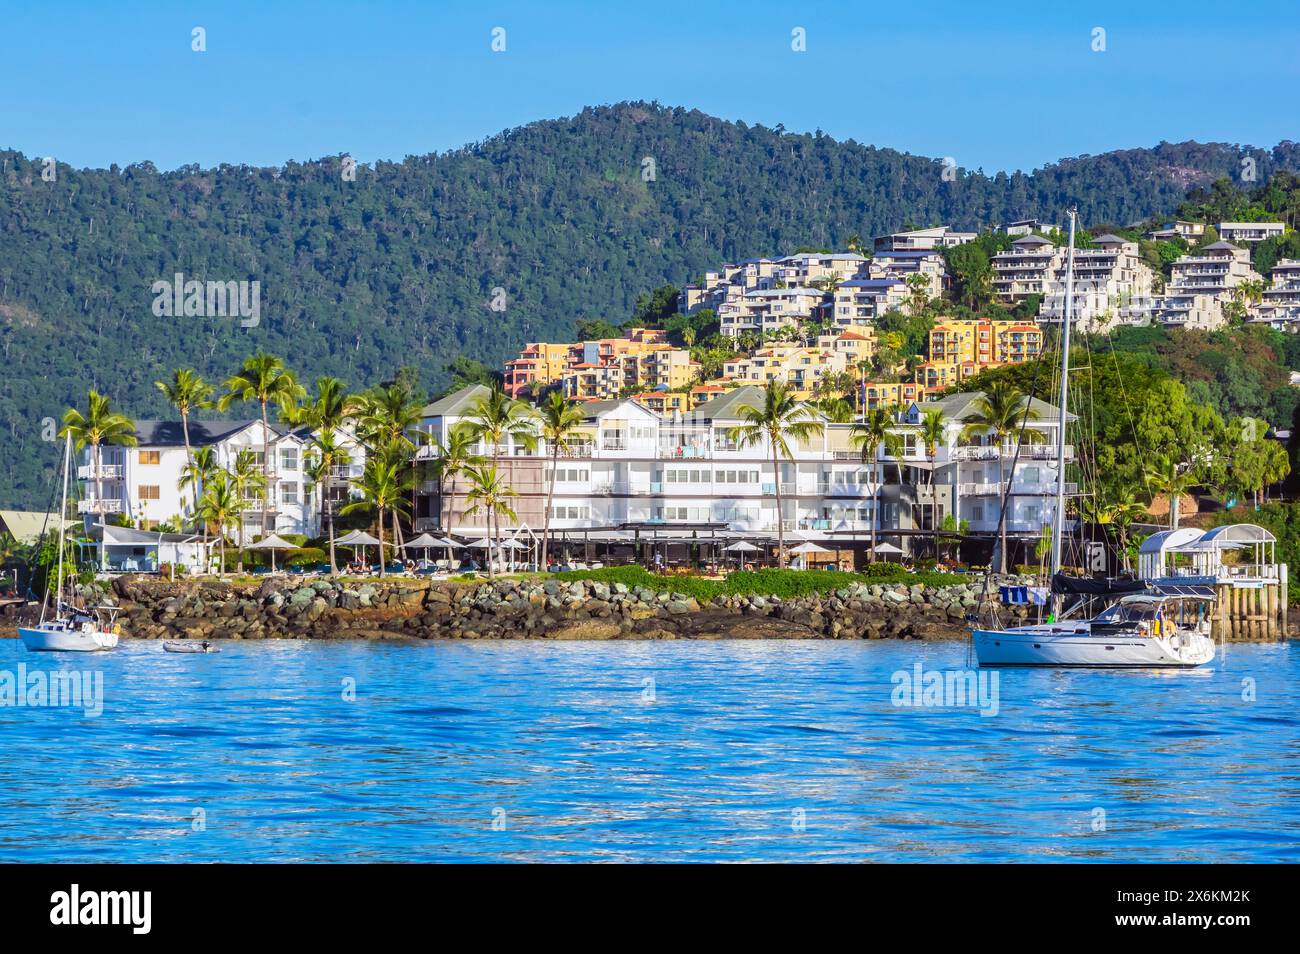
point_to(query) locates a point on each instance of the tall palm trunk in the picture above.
(546, 515)
(381, 543)
(780, 523)
(490, 512)
(334, 563)
(189, 454)
(451, 512)
(266, 475)
(99, 484)
(1006, 502)
(875, 504)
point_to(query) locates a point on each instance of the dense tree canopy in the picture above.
(470, 252)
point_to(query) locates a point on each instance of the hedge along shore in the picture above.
(529, 608)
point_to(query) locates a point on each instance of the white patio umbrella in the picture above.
(886, 549)
(358, 538)
(740, 548)
(273, 542)
(806, 548)
(423, 542)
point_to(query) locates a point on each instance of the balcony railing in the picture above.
(99, 506)
(103, 471)
(1027, 452)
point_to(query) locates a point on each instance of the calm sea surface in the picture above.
(645, 752)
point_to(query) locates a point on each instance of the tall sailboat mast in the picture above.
(1058, 518)
(62, 515)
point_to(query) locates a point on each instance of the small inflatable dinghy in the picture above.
(198, 646)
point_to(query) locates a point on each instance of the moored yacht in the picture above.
(71, 630)
(1137, 629)
(1141, 630)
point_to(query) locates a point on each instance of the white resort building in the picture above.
(634, 473)
(1200, 284)
(141, 483)
(1106, 278)
(1280, 304)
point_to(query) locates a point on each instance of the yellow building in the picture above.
(890, 393)
(984, 343)
(799, 367)
(539, 363)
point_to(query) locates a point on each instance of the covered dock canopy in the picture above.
(1192, 552)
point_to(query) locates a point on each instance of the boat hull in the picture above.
(40, 639)
(1056, 647)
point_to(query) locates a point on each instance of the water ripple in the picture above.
(712, 751)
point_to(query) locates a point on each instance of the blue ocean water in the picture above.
(639, 751)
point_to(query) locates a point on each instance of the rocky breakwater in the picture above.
(557, 608)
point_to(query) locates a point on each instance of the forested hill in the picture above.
(399, 265)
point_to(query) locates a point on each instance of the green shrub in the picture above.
(305, 556)
(768, 582)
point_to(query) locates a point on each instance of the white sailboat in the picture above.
(71, 630)
(1139, 630)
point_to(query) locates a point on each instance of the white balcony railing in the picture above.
(99, 506)
(102, 472)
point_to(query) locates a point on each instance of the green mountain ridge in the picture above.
(402, 265)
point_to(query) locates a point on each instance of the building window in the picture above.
(288, 458)
(289, 492)
(150, 456)
(148, 492)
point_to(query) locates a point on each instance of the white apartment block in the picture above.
(769, 309)
(940, 236)
(1029, 267)
(860, 301)
(1027, 227)
(142, 483)
(1200, 283)
(1250, 231)
(1280, 307)
(1107, 279)
(637, 473)
(1187, 231)
(899, 266)
(806, 268)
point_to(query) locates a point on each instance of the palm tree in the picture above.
(324, 453)
(326, 414)
(496, 417)
(385, 417)
(1167, 478)
(382, 487)
(869, 436)
(780, 418)
(1001, 412)
(196, 475)
(836, 409)
(100, 425)
(1119, 512)
(263, 378)
(245, 478)
(918, 292)
(933, 429)
(490, 493)
(451, 460)
(220, 504)
(187, 392)
(560, 421)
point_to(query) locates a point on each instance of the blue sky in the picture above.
(1000, 85)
